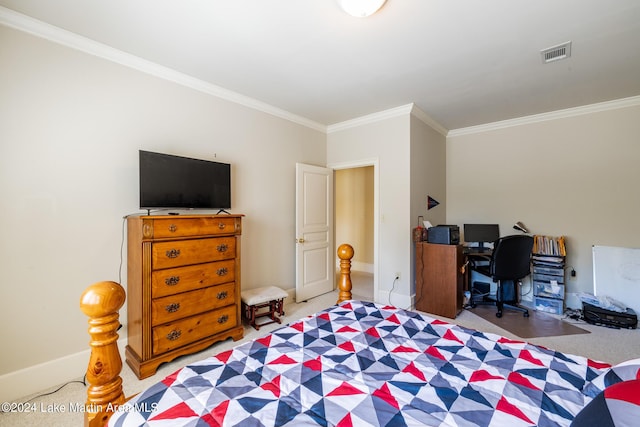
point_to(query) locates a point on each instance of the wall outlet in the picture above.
(397, 275)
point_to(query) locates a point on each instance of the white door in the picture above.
(315, 261)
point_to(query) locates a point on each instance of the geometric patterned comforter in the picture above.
(361, 364)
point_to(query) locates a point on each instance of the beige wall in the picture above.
(71, 125)
(354, 213)
(428, 172)
(574, 176)
(387, 143)
(428, 177)
(410, 156)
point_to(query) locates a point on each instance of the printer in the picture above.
(444, 234)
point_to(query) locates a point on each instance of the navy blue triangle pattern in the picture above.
(252, 405)
(361, 363)
(317, 413)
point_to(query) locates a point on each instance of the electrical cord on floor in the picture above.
(521, 286)
(83, 382)
(393, 285)
(574, 314)
(84, 378)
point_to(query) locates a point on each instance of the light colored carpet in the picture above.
(603, 344)
(362, 285)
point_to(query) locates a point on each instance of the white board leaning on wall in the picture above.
(616, 273)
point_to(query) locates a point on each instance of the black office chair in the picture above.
(510, 262)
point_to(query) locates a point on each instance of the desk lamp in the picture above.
(520, 227)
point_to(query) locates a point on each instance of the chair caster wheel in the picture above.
(499, 314)
(526, 314)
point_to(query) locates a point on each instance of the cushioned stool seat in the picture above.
(269, 297)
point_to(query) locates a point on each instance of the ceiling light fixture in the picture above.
(361, 8)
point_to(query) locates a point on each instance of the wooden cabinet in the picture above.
(439, 279)
(183, 287)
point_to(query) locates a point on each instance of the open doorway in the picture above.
(354, 206)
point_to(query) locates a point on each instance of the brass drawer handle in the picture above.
(222, 271)
(223, 247)
(222, 295)
(174, 335)
(173, 307)
(221, 225)
(172, 281)
(223, 319)
(173, 228)
(173, 253)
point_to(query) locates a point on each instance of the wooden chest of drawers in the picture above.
(183, 287)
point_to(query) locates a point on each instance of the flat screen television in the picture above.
(171, 182)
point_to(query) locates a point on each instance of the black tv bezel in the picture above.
(484, 230)
(191, 203)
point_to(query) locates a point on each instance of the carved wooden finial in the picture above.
(345, 253)
(101, 302)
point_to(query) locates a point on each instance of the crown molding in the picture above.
(427, 120)
(402, 110)
(371, 118)
(57, 35)
(552, 115)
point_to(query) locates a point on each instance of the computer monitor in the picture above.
(481, 233)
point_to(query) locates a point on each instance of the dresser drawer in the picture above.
(176, 334)
(161, 228)
(175, 307)
(193, 251)
(182, 279)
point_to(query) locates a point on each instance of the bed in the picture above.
(358, 364)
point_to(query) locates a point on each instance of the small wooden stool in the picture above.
(270, 297)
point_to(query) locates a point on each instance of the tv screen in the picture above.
(481, 233)
(168, 181)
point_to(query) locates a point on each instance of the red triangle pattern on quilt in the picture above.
(363, 364)
(345, 389)
(385, 394)
(505, 406)
(181, 410)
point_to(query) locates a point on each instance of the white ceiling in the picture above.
(462, 62)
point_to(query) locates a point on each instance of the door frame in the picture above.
(376, 211)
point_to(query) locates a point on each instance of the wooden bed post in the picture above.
(101, 302)
(345, 253)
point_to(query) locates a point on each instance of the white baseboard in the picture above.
(394, 299)
(30, 381)
(361, 266)
(291, 296)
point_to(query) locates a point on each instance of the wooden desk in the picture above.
(439, 279)
(474, 259)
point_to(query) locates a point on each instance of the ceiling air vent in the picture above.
(556, 53)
